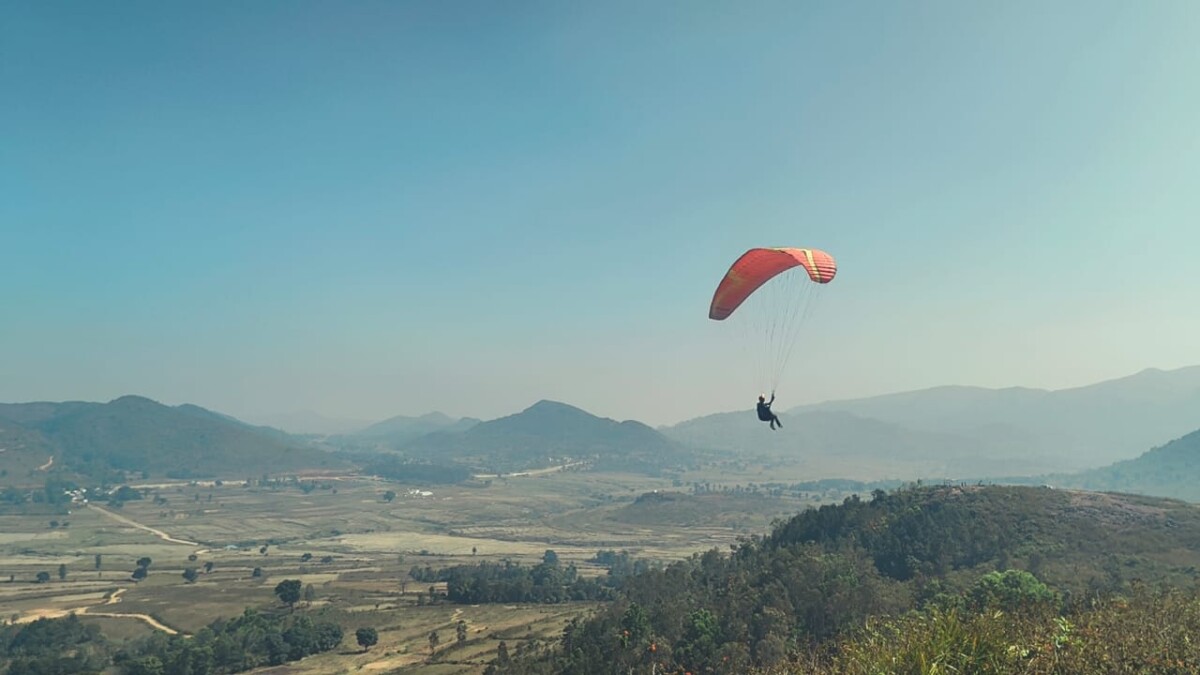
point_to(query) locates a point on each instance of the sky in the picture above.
(369, 209)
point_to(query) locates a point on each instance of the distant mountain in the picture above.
(308, 422)
(400, 429)
(979, 431)
(1084, 426)
(133, 433)
(549, 432)
(1172, 470)
(836, 443)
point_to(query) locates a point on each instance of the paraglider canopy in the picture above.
(759, 265)
(773, 316)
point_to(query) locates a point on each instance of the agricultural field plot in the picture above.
(511, 516)
(764, 470)
(120, 630)
(404, 638)
(242, 516)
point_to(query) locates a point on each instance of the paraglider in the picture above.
(764, 411)
(774, 289)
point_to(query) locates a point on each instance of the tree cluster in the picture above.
(53, 647)
(546, 582)
(402, 470)
(67, 646)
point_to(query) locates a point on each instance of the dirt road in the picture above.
(112, 599)
(132, 523)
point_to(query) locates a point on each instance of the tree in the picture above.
(367, 637)
(550, 557)
(310, 594)
(62, 572)
(389, 496)
(43, 577)
(208, 567)
(502, 654)
(461, 631)
(53, 524)
(306, 557)
(473, 549)
(256, 573)
(434, 641)
(147, 665)
(192, 558)
(190, 574)
(1010, 590)
(636, 623)
(97, 561)
(288, 591)
(143, 568)
(124, 494)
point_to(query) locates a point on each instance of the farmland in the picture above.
(351, 541)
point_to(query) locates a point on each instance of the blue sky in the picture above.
(369, 209)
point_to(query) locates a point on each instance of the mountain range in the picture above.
(307, 422)
(956, 430)
(837, 443)
(400, 429)
(394, 430)
(942, 432)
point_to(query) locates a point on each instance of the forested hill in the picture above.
(547, 432)
(825, 570)
(133, 433)
(1172, 470)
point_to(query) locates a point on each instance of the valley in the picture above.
(355, 550)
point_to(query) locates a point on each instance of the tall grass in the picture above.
(1145, 632)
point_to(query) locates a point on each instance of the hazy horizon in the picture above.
(306, 416)
(386, 209)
